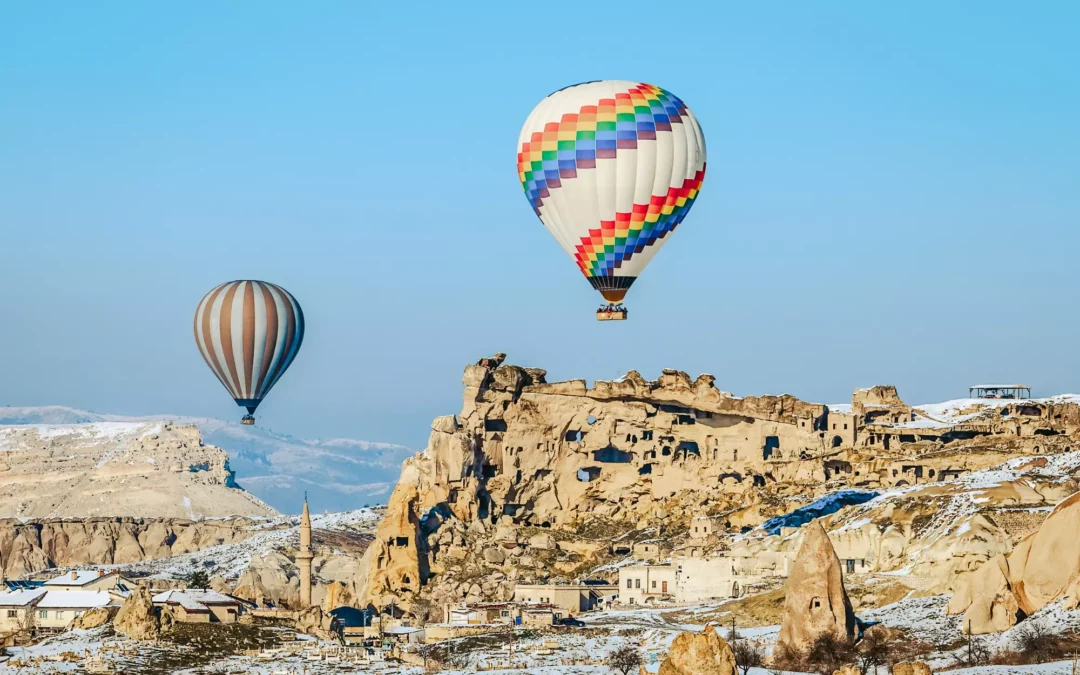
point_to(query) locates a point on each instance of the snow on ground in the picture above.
(271, 534)
(275, 467)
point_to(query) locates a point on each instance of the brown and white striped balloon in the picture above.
(248, 333)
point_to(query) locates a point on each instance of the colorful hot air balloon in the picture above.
(248, 333)
(611, 168)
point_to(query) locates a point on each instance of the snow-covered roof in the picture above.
(75, 599)
(839, 408)
(77, 578)
(402, 630)
(20, 598)
(195, 600)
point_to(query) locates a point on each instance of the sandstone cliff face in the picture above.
(1044, 567)
(32, 546)
(637, 458)
(139, 469)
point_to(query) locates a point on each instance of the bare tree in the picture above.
(827, 654)
(624, 659)
(1036, 643)
(976, 652)
(747, 655)
(786, 657)
(873, 650)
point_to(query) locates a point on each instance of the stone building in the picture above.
(200, 605)
(571, 598)
(646, 584)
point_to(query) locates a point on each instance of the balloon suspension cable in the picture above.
(611, 312)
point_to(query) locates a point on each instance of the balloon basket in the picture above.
(611, 315)
(248, 419)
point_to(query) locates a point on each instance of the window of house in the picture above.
(505, 613)
(637, 583)
(654, 584)
(59, 614)
(629, 583)
(44, 614)
(845, 425)
(850, 566)
(12, 613)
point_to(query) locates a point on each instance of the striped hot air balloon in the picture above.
(249, 333)
(611, 169)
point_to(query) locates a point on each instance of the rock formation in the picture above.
(586, 466)
(35, 545)
(912, 668)
(92, 618)
(143, 469)
(704, 653)
(137, 618)
(312, 621)
(1044, 567)
(816, 603)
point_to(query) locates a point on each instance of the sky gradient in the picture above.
(893, 196)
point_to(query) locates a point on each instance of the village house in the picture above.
(491, 613)
(646, 584)
(91, 580)
(57, 609)
(701, 527)
(16, 608)
(646, 550)
(200, 605)
(571, 598)
(48, 610)
(697, 578)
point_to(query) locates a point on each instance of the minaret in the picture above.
(304, 556)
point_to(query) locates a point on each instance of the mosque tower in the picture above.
(304, 556)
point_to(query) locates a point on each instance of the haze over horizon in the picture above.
(892, 198)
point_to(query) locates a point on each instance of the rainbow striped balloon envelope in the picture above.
(611, 169)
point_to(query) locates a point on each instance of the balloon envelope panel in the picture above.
(249, 332)
(611, 169)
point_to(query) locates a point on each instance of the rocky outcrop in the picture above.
(93, 618)
(987, 599)
(137, 617)
(144, 469)
(533, 480)
(704, 653)
(32, 546)
(816, 603)
(912, 668)
(1044, 567)
(313, 621)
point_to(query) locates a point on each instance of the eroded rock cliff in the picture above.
(540, 482)
(139, 469)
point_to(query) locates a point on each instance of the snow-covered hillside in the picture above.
(338, 474)
(272, 535)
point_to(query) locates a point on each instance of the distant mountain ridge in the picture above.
(338, 474)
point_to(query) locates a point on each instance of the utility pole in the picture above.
(970, 661)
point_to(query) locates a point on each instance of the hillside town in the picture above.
(546, 516)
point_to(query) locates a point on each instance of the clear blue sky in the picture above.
(893, 196)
